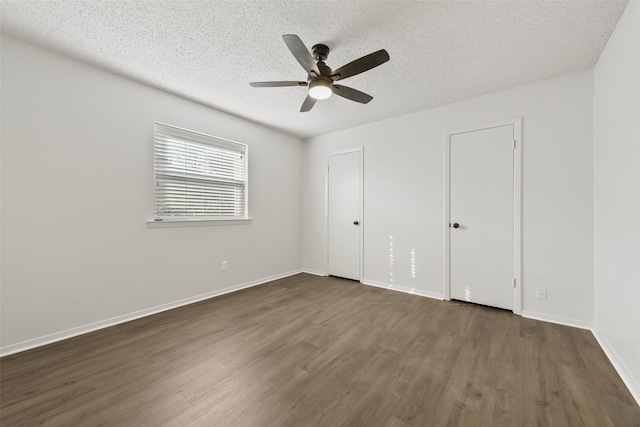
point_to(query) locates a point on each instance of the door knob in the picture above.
(456, 225)
(355, 223)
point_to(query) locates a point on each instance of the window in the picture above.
(198, 176)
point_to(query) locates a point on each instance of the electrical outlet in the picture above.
(392, 263)
(541, 293)
(224, 266)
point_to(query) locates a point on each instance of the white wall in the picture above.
(77, 189)
(404, 193)
(617, 197)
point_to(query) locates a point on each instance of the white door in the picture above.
(344, 218)
(481, 216)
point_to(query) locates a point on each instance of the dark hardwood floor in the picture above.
(317, 351)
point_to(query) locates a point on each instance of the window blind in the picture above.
(198, 175)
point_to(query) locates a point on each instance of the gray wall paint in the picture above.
(404, 194)
(77, 189)
(85, 254)
(617, 198)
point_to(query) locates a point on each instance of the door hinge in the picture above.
(514, 282)
(514, 144)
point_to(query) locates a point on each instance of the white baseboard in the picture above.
(84, 329)
(622, 369)
(618, 364)
(404, 289)
(633, 384)
(314, 272)
(556, 319)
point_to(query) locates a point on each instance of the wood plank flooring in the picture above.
(318, 351)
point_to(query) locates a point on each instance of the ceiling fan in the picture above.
(320, 78)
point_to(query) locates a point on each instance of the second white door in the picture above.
(344, 216)
(482, 216)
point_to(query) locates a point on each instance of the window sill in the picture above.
(164, 223)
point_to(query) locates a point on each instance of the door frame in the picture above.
(359, 150)
(517, 205)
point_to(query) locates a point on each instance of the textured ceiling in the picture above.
(209, 50)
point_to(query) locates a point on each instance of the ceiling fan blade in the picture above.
(277, 84)
(308, 104)
(361, 65)
(352, 94)
(301, 53)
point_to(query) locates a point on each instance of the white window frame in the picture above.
(203, 139)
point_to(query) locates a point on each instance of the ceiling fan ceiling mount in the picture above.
(320, 52)
(320, 78)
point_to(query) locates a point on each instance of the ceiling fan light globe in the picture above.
(320, 89)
